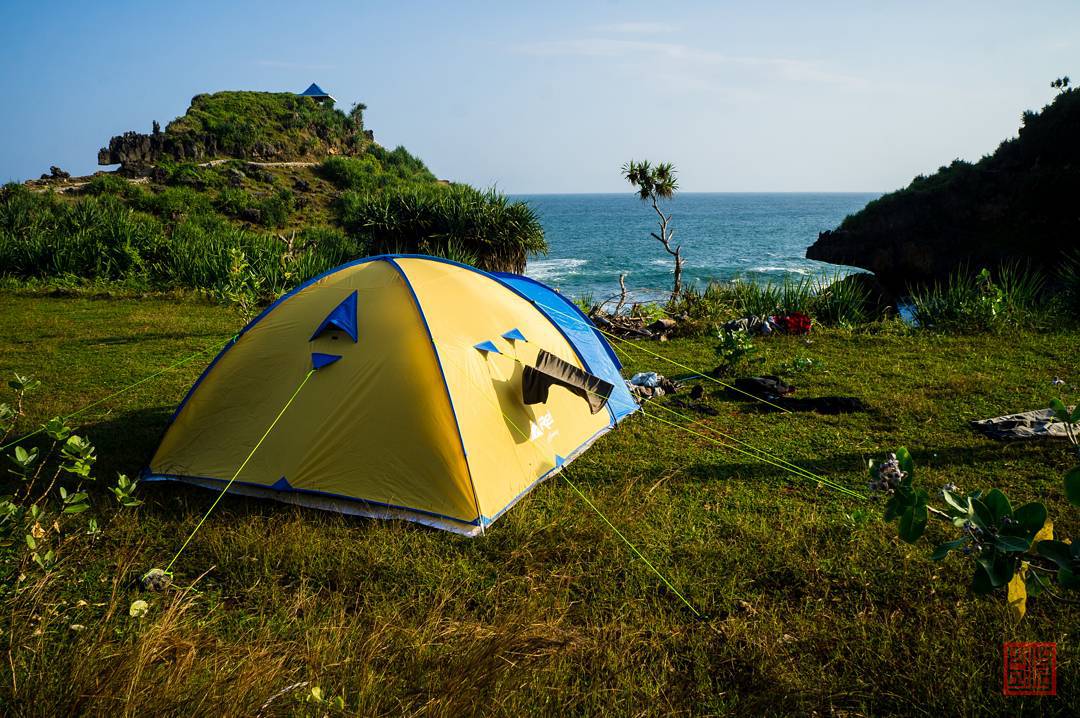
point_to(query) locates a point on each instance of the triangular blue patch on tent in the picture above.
(487, 347)
(318, 361)
(342, 318)
(514, 335)
(559, 461)
(281, 484)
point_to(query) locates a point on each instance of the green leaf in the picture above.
(943, 549)
(1061, 412)
(892, 509)
(998, 504)
(983, 517)
(1069, 579)
(76, 508)
(1072, 485)
(980, 581)
(30, 542)
(913, 522)
(999, 568)
(960, 506)
(1012, 544)
(1057, 551)
(1031, 517)
(907, 464)
(1034, 583)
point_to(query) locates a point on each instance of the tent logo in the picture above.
(541, 426)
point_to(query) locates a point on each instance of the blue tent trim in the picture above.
(595, 353)
(343, 317)
(150, 476)
(487, 346)
(282, 484)
(319, 360)
(521, 279)
(505, 279)
(442, 375)
(514, 335)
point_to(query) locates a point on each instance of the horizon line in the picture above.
(686, 192)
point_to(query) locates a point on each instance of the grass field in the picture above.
(814, 606)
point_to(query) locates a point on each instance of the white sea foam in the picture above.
(768, 268)
(547, 270)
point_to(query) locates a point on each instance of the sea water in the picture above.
(593, 238)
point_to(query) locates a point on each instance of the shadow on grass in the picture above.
(843, 464)
(150, 337)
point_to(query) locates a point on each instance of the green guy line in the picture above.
(245, 463)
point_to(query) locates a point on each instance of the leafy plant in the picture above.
(978, 302)
(734, 351)
(1071, 422)
(442, 220)
(652, 185)
(1004, 543)
(42, 516)
(125, 490)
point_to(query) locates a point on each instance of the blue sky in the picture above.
(555, 96)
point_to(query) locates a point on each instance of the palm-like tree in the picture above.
(654, 184)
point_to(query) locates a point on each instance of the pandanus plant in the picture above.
(654, 184)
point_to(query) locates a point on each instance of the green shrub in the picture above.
(440, 220)
(274, 210)
(837, 302)
(110, 184)
(968, 302)
(1069, 277)
(265, 124)
(376, 170)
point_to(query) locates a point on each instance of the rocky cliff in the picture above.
(1020, 203)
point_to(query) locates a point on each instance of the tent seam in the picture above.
(446, 386)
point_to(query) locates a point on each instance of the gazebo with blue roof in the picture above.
(318, 94)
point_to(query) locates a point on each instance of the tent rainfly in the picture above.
(441, 395)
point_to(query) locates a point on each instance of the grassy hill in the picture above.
(270, 126)
(228, 224)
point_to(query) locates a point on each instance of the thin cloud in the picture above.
(691, 59)
(642, 28)
(287, 65)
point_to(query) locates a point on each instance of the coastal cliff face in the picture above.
(1022, 203)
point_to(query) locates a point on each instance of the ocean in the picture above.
(759, 237)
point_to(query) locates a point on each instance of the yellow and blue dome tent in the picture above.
(417, 405)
